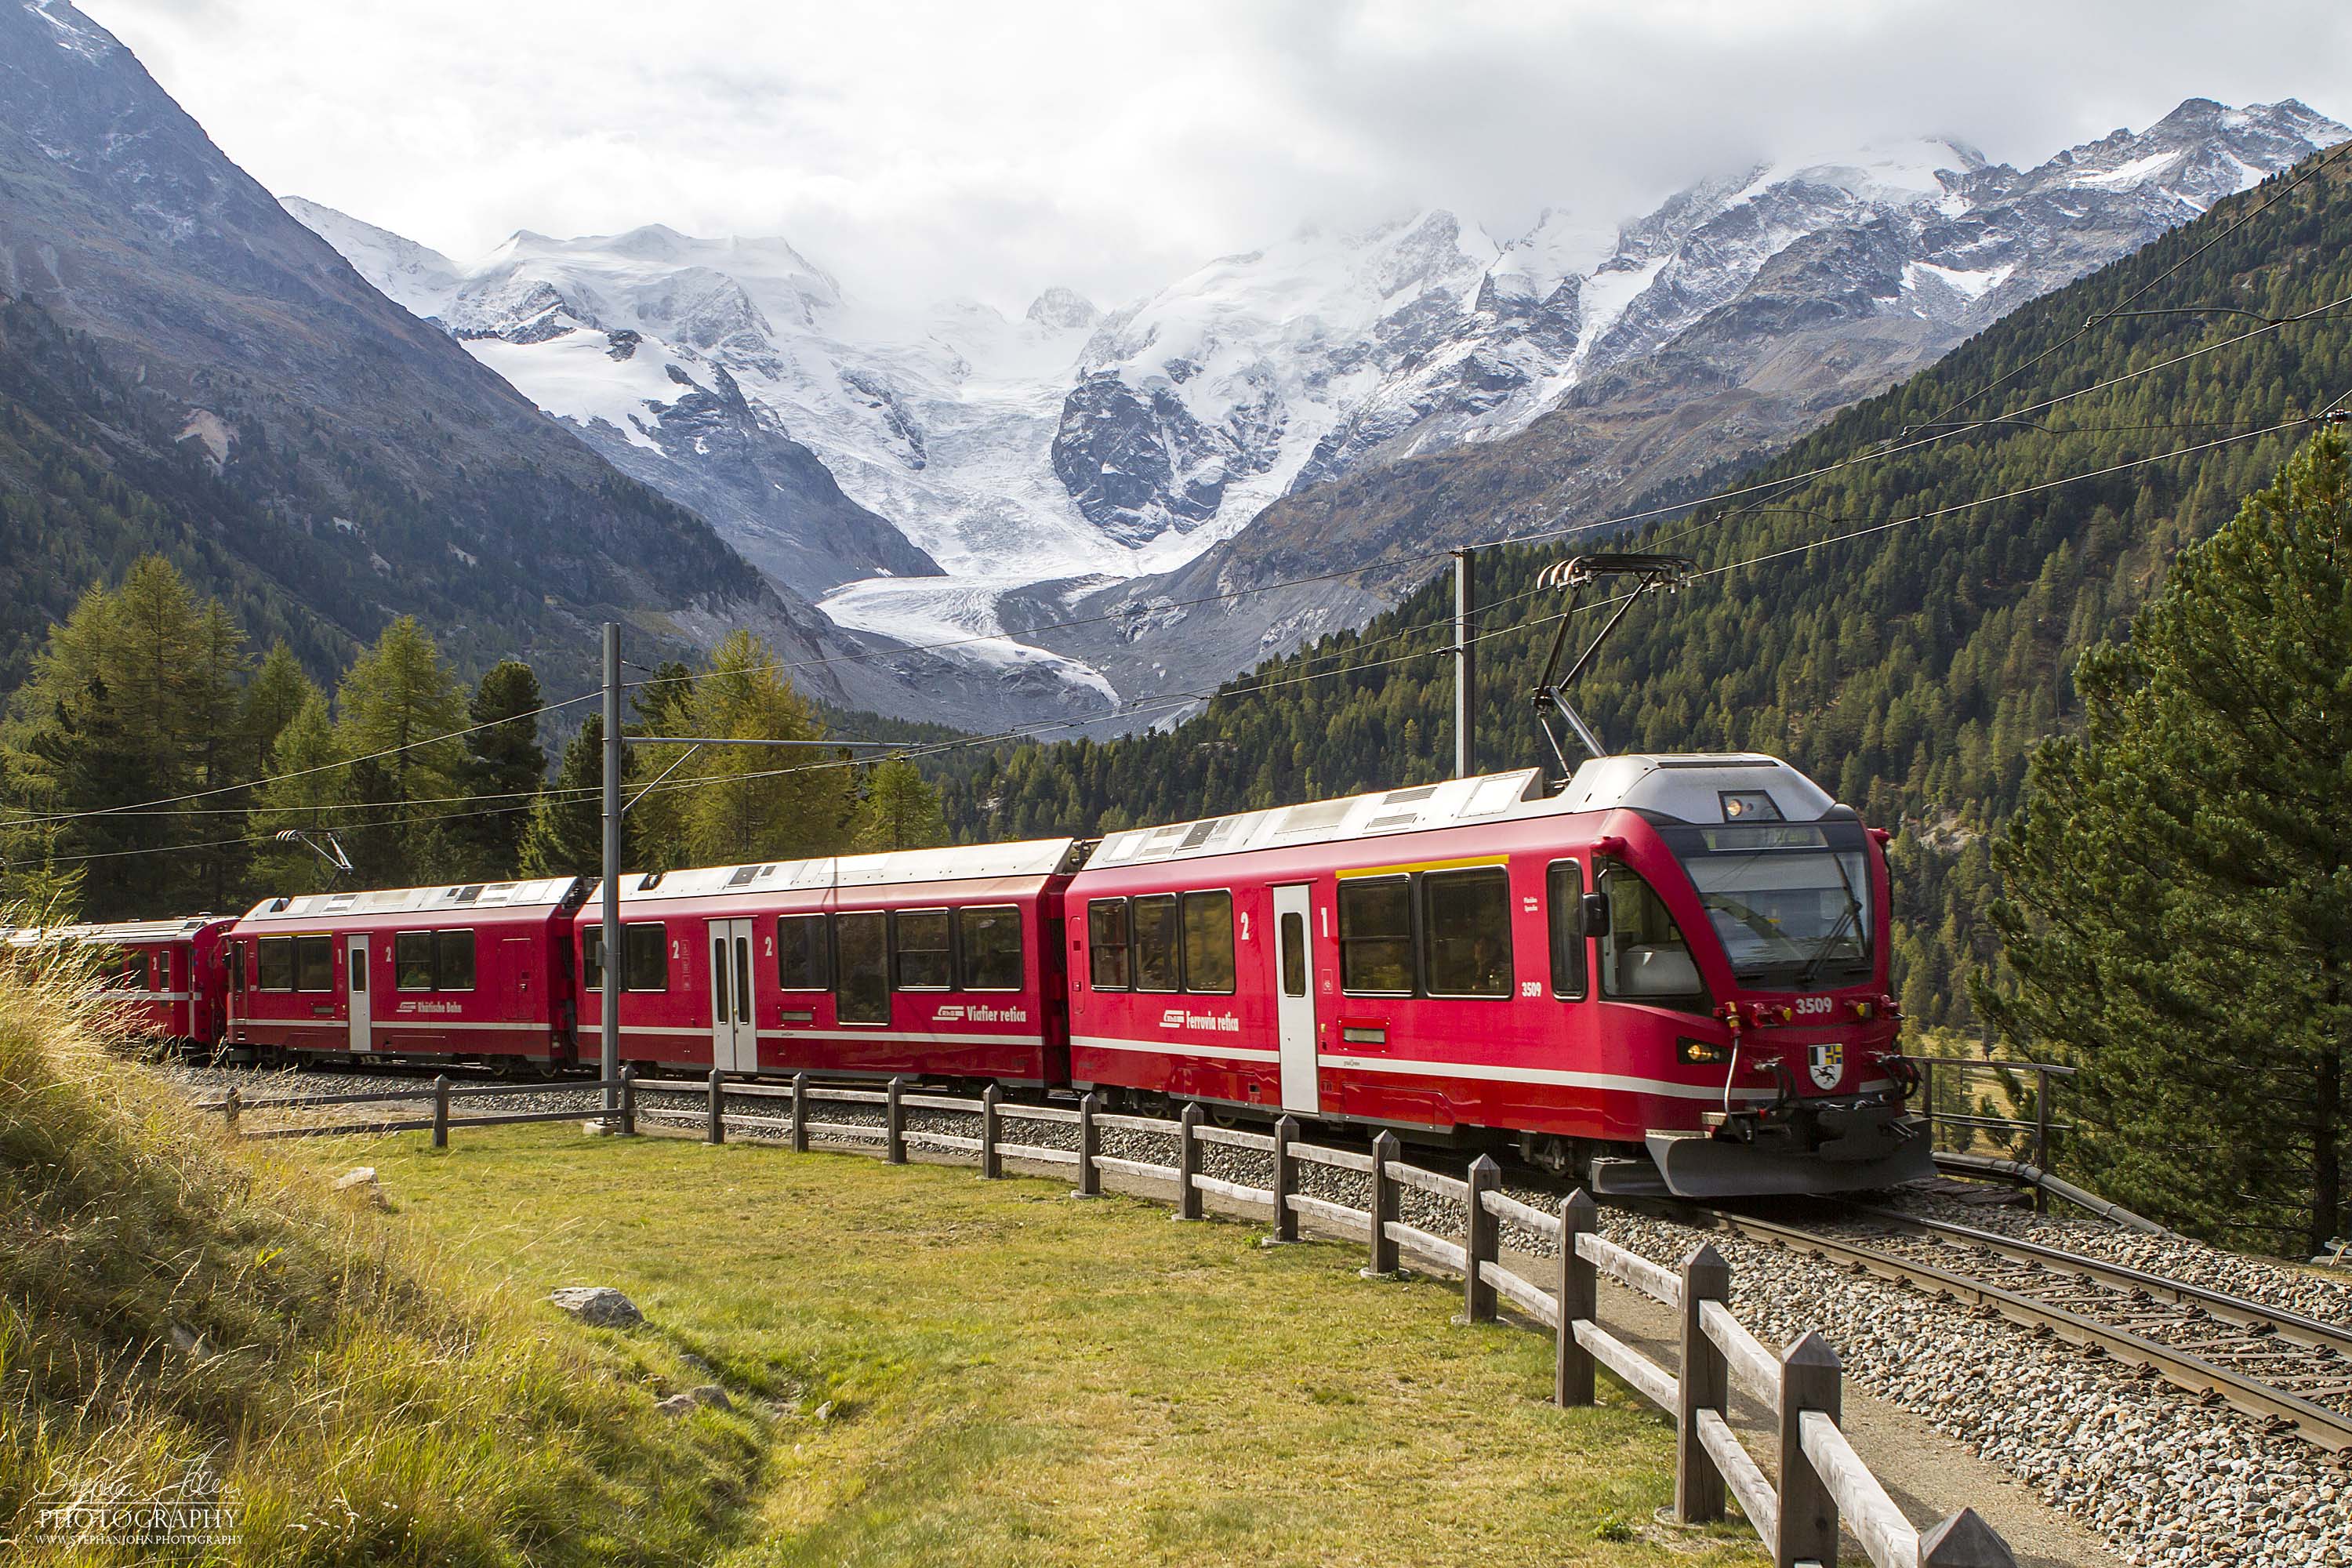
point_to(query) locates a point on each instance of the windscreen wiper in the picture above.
(1853, 912)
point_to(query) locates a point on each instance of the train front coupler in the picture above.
(1797, 1146)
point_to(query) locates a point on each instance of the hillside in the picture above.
(1910, 670)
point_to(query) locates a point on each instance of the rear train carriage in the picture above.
(1683, 951)
(477, 972)
(939, 962)
(158, 979)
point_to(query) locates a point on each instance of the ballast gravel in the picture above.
(2165, 1479)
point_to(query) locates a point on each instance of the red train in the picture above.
(1685, 955)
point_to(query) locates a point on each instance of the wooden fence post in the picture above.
(800, 1113)
(1579, 1301)
(1089, 1146)
(1187, 1163)
(230, 1106)
(1810, 1379)
(1385, 1207)
(441, 1111)
(1285, 1179)
(1964, 1540)
(717, 1132)
(991, 1167)
(894, 1147)
(1704, 1385)
(1480, 1238)
(629, 1102)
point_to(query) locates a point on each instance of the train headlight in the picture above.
(1701, 1053)
(1864, 1009)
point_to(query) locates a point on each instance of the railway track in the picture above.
(2290, 1372)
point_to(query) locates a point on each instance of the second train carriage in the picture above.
(471, 972)
(1682, 954)
(938, 962)
(161, 980)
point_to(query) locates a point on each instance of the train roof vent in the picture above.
(1202, 833)
(1399, 796)
(1499, 793)
(469, 895)
(1308, 818)
(1393, 819)
(743, 874)
(649, 882)
(340, 902)
(277, 905)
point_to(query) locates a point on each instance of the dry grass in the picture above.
(169, 1301)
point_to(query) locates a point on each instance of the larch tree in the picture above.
(900, 810)
(396, 710)
(758, 803)
(501, 774)
(308, 790)
(2178, 909)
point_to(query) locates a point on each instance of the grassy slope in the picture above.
(1017, 1378)
(365, 1399)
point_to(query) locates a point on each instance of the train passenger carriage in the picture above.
(1672, 948)
(159, 980)
(939, 962)
(478, 972)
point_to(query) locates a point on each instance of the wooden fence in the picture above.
(1820, 1479)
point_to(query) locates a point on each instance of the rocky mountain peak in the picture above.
(1061, 310)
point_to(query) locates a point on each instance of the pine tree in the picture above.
(396, 704)
(565, 837)
(307, 790)
(901, 811)
(2176, 917)
(503, 768)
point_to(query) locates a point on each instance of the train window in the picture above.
(1156, 942)
(1209, 941)
(920, 938)
(1293, 954)
(453, 961)
(1107, 943)
(645, 958)
(861, 946)
(273, 967)
(991, 948)
(803, 960)
(1376, 935)
(412, 961)
(233, 956)
(1564, 908)
(1465, 922)
(314, 963)
(1643, 957)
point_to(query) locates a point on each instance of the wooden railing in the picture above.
(234, 1107)
(1819, 1482)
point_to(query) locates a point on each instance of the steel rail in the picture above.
(2310, 1332)
(2327, 1428)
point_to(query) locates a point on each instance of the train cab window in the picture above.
(1465, 920)
(1376, 935)
(1156, 942)
(273, 966)
(1209, 941)
(990, 947)
(1107, 946)
(1643, 957)
(645, 957)
(1293, 954)
(861, 946)
(1564, 912)
(921, 939)
(314, 963)
(803, 959)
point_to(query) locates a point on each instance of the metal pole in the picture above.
(1466, 664)
(612, 881)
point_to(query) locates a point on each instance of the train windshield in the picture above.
(1789, 903)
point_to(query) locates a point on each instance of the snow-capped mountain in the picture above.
(1069, 457)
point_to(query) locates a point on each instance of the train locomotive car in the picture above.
(934, 962)
(1685, 956)
(478, 972)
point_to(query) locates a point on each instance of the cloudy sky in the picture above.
(924, 150)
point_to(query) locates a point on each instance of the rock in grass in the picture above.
(684, 1404)
(598, 1306)
(361, 1180)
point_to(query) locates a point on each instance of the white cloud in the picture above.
(928, 149)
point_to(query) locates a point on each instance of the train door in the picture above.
(356, 978)
(1295, 999)
(734, 1041)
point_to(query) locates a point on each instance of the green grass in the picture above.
(1019, 1378)
(167, 1300)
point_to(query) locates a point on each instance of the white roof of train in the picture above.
(1030, 857)
(1690, 787)
(109, 931)
(414, 900)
